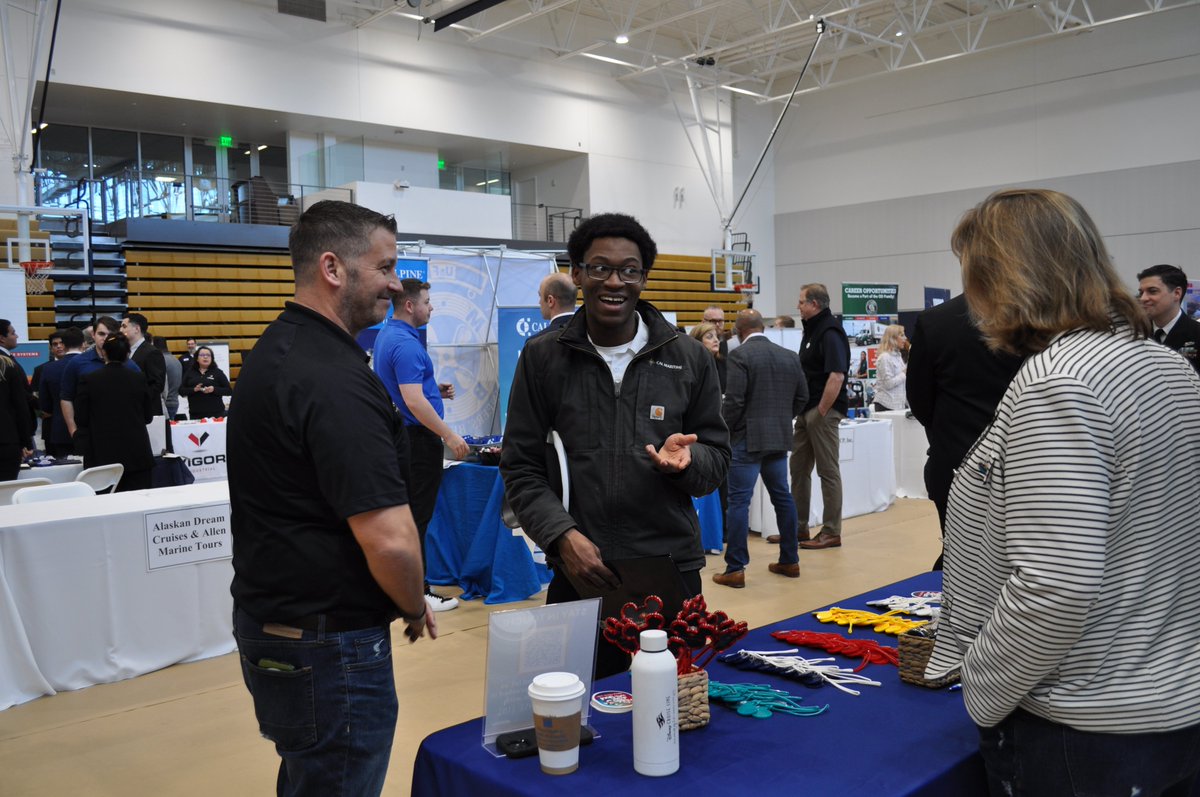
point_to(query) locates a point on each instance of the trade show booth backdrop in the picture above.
(467, 288)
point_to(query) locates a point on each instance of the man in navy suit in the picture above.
(1160, 290)
(765, 392)
(556, 298)
(954, 384)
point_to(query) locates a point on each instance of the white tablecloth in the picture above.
(55, 473)
(79, 605)
(868, 477)
(909, 446)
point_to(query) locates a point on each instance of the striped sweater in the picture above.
(1072, 571)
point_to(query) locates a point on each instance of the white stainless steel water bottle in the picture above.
(655, 707)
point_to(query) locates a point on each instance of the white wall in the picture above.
(1121, 96)
(872, 177)
(562, 183)
(416, 165)
(260, 58)
(435, 212)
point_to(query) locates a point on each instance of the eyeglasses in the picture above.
(630, 275)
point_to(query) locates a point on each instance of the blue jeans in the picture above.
(333, 716)
(744, 470)
(1027, 756)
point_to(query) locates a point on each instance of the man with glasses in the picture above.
(638, 408)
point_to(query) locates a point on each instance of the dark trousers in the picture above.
(610, 659)
(10, 462)
(60, 450)
(327, 701)
(424, 477)
(938, 478)
(1027, 756)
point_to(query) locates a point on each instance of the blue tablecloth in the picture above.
(712, 525)
(896, 739)
(467, 543)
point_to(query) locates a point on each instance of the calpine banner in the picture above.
(202, 446)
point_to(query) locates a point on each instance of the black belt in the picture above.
(340, 621)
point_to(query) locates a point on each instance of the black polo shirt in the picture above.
(313, 439)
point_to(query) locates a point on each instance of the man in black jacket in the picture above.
(825, 357)
(638, 409)
(954, 384)
(766, 391)
(1160, 290)
(143, 354)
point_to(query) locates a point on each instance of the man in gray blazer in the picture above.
(765, 392)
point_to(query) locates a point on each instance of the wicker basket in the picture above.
(914, 655)
(693, 700)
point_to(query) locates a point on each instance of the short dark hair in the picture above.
(4, 325)
(160, 344)
(1171, 276)
(110, 323)
(55, 335)
(139, 320)
(116, 348)
(332, 226)
(611, 225)
(409, 289)
(72, 337)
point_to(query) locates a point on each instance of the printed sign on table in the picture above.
(187, 536)
(202, 446)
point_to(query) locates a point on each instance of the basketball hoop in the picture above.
(35, 275)
(745, 292)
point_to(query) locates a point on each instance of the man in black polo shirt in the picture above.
(325, 551)
(825, 357)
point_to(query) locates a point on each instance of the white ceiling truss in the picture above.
(758, 47)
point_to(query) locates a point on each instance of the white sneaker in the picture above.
(439, 603)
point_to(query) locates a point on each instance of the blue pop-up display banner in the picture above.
(516, 325)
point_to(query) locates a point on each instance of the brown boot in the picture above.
(779, 568)
(736, 579)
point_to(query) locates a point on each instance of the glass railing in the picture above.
(543, 222)
(138, 194)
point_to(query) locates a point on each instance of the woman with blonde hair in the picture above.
(1070, 545)
(710, 335)
(890, 370)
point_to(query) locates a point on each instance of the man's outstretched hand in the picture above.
(675, 454)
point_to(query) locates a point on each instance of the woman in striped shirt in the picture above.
(1072, 563)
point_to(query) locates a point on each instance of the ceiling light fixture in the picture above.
(622, 38)
(261, 147)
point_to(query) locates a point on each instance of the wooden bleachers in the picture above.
(227, 296)
(683, 284)
(233, 296)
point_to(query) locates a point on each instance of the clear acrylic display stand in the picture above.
(524, 643)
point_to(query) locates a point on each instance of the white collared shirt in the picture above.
(1167, 329)
(619, 357)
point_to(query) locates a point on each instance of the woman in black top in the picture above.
(112, 407)
(203, 385)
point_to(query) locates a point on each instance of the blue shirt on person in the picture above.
(80, 367)
(400, 359)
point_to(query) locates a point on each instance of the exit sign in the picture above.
(225, 141)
